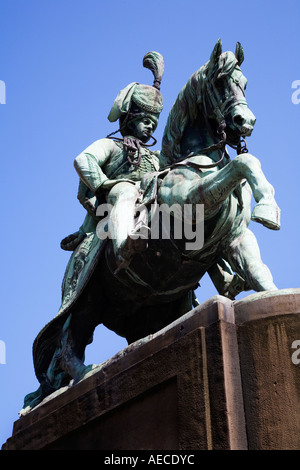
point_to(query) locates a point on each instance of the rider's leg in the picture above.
(243, 255)
(123, 197)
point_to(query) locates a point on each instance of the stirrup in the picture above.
(267, 214)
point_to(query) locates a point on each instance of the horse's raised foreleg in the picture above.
(214, 187)
(243, 255)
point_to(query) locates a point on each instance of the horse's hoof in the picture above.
(267, 214)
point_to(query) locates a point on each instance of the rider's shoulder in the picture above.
(102, 147)
(105, 142)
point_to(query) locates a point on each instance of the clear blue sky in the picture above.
(63, 63)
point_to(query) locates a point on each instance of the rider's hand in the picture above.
(107, 185)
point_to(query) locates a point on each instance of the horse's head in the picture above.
(215, 93)
(223, 93)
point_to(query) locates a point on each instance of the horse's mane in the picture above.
(188, 105)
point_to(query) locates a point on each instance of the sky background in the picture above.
(63, 63)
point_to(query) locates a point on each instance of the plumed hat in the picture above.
(147, 98)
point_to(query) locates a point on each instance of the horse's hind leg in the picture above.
(77, 333)
(71, 353)
(243, 255)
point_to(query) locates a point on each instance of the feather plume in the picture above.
(154, 61)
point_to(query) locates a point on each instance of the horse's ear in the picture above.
(239, 53)
(217, 51)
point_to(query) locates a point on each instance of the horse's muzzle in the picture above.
(244, 123)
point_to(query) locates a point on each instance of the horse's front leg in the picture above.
(244, 257)
(212, 188)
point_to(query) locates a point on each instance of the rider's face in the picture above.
(144, 127)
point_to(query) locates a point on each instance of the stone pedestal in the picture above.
(268, 327)
(220, 377)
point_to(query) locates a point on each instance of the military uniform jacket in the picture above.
(107, 159)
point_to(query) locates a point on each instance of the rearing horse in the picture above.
(211, 102)
(210, 112)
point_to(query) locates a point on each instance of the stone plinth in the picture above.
(220, 377)
(268, 325)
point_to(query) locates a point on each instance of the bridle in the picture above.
(212, 107)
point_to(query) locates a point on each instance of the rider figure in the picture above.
(111, 169)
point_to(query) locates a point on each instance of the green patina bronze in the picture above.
(135, 284)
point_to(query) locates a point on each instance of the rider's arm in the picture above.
(88, 163)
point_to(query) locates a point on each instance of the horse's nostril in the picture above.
(238, 120)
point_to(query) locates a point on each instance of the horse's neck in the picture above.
(197, 137)
(187, 130)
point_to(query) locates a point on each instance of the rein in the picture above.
(218, 146)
